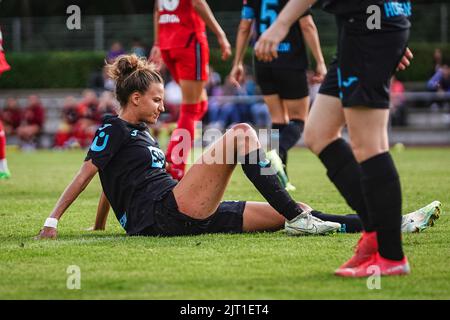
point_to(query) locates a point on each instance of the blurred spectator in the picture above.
(440, 81)
(90, 119)
(107, 104)
(214, 81)
(69, 117)
(397, 100)
(115, 51)
(11, 116)
(32, 123)
(138, 48)
(221, 115)
(437, 59)
(100, 81)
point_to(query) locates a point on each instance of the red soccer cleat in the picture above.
(366, 247)
(376, 265)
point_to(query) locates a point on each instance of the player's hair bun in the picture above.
(131, 74)
(125, 65)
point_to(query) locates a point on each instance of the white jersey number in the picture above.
(168, 5)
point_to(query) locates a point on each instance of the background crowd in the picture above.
(228, 104)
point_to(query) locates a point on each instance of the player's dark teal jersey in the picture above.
(394, 14)
(291, 51)
(132, 171)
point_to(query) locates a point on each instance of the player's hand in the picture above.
(237, 75)
(155, 56)
(266, 48)
(225, 47)
(47, 233)
(406, 60)
(320, 73)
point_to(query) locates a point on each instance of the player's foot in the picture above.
(366, 247)
(277, 165)
(5, 175)
(421, 219)
(376, 265)
(305, 224)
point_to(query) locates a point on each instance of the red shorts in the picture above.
(189, 63)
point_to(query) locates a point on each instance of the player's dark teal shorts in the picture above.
(169, 221)
(362, 71)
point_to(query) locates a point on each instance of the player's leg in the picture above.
(207, 180)
(366, 67)
(294, 92)
(380, 180)
(4, 171)
(191, 68)
(298, 110)
(323, 137)
(260, 216)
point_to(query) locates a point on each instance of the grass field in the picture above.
(252, 266)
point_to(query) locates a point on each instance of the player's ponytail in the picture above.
(132, 74)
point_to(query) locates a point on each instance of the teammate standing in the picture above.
(356, 92)
(181, 42)
(282, 81)
(4, 171)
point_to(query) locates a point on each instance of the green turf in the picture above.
(252, 266)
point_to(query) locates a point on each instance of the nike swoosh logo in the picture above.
(303, 229)
(104, 127)
(397, 268)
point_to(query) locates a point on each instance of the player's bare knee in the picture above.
(245, 137)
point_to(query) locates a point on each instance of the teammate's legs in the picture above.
(298, 112)
(380, 180)
(323, 137)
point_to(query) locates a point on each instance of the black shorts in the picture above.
(286, 83)
(361, 74)
(169, 221)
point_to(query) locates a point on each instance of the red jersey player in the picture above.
(181, 42)
(4, 172)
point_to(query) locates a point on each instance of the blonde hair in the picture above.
(132, 74)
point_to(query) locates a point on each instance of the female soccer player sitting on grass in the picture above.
(148, 201)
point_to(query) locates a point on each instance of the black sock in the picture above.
(351, 222)
(345, 172)
(382, 192)
(257, 169)
(289, 137)
(276, 136)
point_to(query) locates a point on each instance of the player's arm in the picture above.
(203, 9)
(243, 35)
(155, 53)
(311, 36)
(102, 213)
(73, 190)
(267, 45)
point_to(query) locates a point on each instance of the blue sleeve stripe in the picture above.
(247, 13)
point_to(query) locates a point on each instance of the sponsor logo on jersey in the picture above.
(395, 9)
(169, 18)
